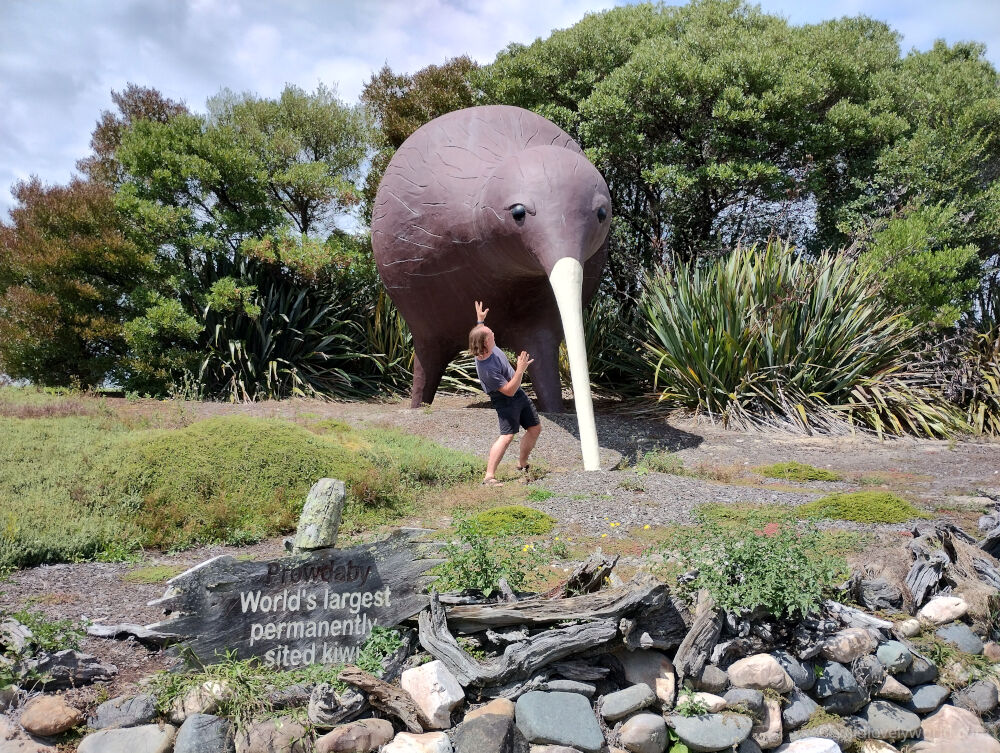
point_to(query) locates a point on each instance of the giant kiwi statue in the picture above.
(495, 204)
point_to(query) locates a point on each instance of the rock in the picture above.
(978, 743)
(148, 738)
(328, 707)
(68, 669)
(571, 686)
(838, 731)
(878, 593)
(281, 735)
(435, 691)
(124, 711)
(498, 706)
(868, 672)
(204, 699)
(49, 715)
(908, 628)
(943, 609)
(847, 645)
(712, 680)
(362, 736)
(961, 636)
(490, 733)
(14, 636)
(204, 733)
(748, 746)
(992, 651)
(920, 672)
(800, 707)
(950, 723)
(653, 669)
(293, 696)
(767, 734)
(893, 690)
(875, 746)
(887, 721)
(927, 698)
(749, 698)
(429, 742)
(558, 719)
(711, 732)
(644, 733)
(618, 705)
(8, 696)
(810, 745)
(760, 671)
(980, 697)
(802, 674)
(835, 678)
(714, 703)
(895, 656)
(558, 749)
(845, 703)
(13, 739)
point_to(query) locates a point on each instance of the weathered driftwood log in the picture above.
(659, 626)
(946, 556)
(852, 617)
(581, 671)
(387, 698)
(590, 575)
(518, 660)
(125, 630)
(695, 649)
(614, 603)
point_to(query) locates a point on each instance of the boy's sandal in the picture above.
(524, 468)
(492, 482)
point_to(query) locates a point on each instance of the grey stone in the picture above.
(124, 711)
(149, 738)
(558, 719)
(749, 746)
(802, 673)
(836, 678)
(712, 680)
(895, 656)
(328, 707)
(552, 749)
(204, 733)
(868, 672)
(279, 735)
(571, 686)
(489, 734)
(8, 696)
(800, 707)
(845, 703)
(751, 698)
(644, 733)
(928, 698)
(887, 721)
(711, 732)
(68, 669)
(960, 635)
(618, 705)
(839, 732)
(920, 671)
(980, 697)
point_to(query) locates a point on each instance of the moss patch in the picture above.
(154, 573)
(513, 520)
(794, 471)
(863, 507)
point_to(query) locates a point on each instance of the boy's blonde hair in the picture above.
(477, 341)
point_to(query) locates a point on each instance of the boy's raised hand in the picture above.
(524, 360)
(481, 312)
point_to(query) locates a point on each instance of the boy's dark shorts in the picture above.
(514, 411)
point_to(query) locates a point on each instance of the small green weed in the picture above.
(820, 717)
(794, 471)
(661, 461)
(632, 485)
(863, 507)
(689, 704)
(539, 495)
(515, 520)
(382, 643)
(154, 573)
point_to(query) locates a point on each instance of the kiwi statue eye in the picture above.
(602, 214)
(518, 212)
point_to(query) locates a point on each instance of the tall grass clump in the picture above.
(767, 336)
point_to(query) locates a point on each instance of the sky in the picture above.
(60, 59)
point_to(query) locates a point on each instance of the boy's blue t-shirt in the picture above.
(494, 371)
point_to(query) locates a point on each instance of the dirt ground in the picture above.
(949, 478)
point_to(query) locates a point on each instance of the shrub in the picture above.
(773, 562)
(793, 471)
(514, 520)
(863, 507)
(382, 643)
(766, 336)
(661, 461)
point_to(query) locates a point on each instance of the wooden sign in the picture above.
(312, 608)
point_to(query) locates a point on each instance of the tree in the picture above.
(67, 274)
(400, 103)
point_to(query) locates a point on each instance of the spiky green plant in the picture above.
(768, 336)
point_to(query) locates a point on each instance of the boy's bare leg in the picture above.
(528, 444)
(496, 454)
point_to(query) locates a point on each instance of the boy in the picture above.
(503, 384)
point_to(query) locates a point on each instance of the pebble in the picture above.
(711, 732)
(950, 723)
(714, 703)
(644, 733)
(848, 645)
(558, 719)
(148, 738)
(895, 656)
(204, 699)
(752, 699)
(802, 673)
(920, 672)
(875, 746)
(767, 734)
(845, 703)
(204, 733)
(362, 736)
(909, 628)
(760, 671)
(490, 733)
(620, 704)
(798, 710)
(943, 609)
(653, 669)
(124, 711)
(992, 651)
(429, 742)
(927, 698)
(498, 706)
(970, 743)
(809, 745)
(883, 720)
(49, 715)
(435, 691)
(712, 680)
(980, 697)
(893, 690)
(961, 636)
(282, 734)
(835, 678)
